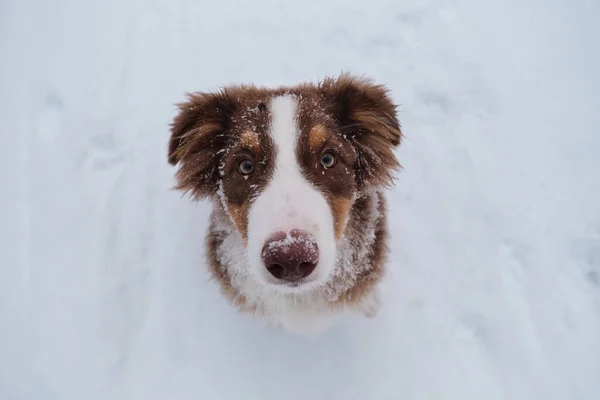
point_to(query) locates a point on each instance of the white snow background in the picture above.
(494, 287)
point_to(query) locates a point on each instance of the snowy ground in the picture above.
(495, 285)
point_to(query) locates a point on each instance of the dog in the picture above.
(296, 176)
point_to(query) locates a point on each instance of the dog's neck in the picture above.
(361, 254)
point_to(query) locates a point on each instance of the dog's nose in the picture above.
(290, 256)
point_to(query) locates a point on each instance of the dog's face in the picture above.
(286, 166)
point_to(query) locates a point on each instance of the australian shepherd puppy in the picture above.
(296, 177)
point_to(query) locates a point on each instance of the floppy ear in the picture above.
(366, 116)
(198, 133)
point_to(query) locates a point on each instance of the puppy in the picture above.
(296, 176)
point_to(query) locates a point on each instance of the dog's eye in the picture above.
(328, 160)
(245, 167)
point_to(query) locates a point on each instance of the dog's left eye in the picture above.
(328, 160)
(245, 167)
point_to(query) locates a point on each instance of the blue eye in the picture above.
(328, 160)
(245, 167)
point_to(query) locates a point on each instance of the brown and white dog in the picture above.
(296, 174)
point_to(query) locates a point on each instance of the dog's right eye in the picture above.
(328, 160)
(245, 167)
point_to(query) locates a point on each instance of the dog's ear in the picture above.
(366, 116)
(198, 133)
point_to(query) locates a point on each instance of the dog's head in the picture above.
(286, 165)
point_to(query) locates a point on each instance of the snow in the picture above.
(494, 285)
(288, 241)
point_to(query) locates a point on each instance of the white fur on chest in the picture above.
(306, 313)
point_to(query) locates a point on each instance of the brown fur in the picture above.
(366, 116)
(251, 140)
(239, 215)
(317, 136)
(373, 270)
(352, 117)
(340, 208)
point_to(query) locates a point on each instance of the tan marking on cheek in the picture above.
(317, 136)
(239, 215)
(250, 139)
(340, 208)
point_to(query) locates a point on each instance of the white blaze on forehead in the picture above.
(284, 130)
(289, 201)
(287, 187)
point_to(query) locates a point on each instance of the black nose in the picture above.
(290, 256)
